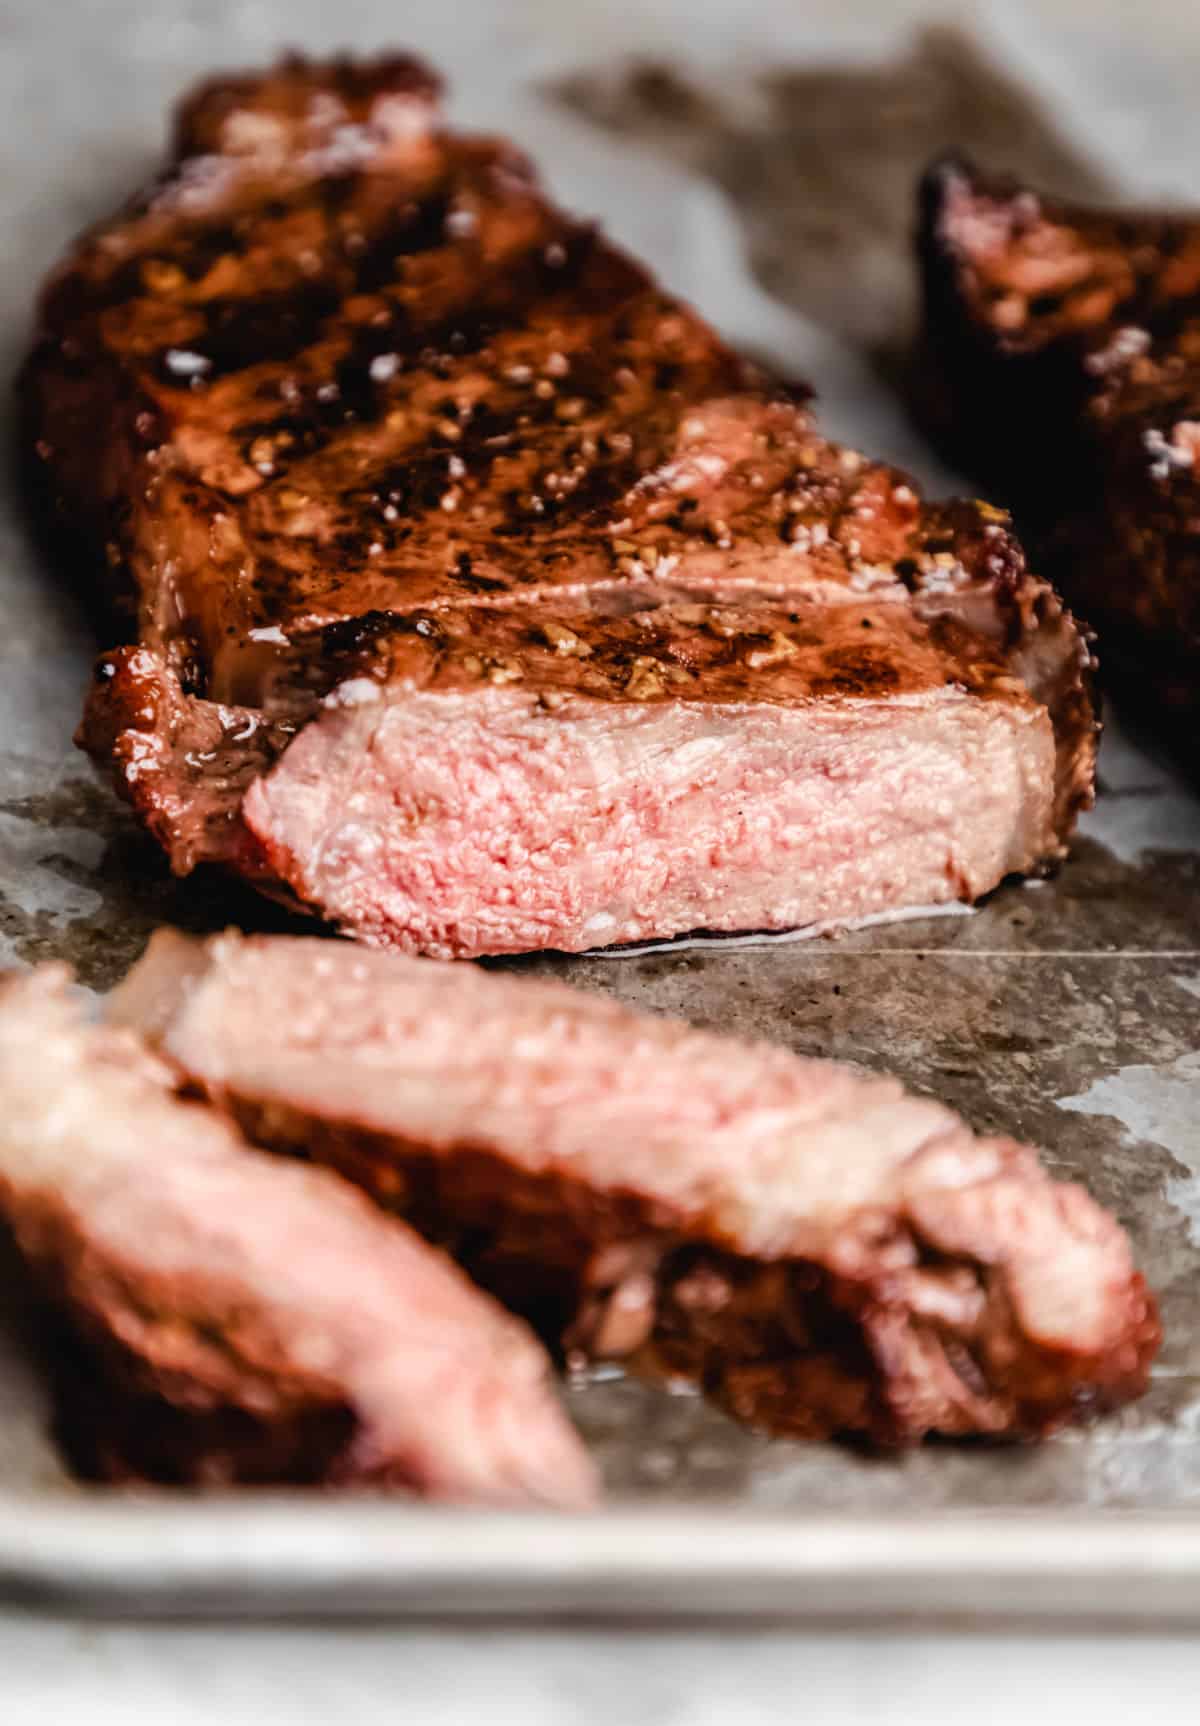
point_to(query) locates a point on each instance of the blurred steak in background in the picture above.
(1060, 363)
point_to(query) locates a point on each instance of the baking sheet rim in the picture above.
(285, 1556)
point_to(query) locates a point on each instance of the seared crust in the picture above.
(905, 1326)
(151, 1386)
(1060, 362)
(273, 114)
(184, 764)
(352, 365)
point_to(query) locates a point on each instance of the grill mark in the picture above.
(274, 329)
(194, 253)
(565, 265)
(332, 192)
(440, 344)
(389, 505)
(265, 329)
(421, 227)
(241, 331)
(326, 656)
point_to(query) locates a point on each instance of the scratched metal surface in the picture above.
(1067, 1013)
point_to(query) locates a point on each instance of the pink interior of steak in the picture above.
(483, 823)
(823, 1250)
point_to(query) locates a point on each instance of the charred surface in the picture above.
(1061, 358)
(353, 367)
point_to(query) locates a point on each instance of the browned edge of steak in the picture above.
(182, 1346)
(1059, 363)
(123, 1416)
(788, 1345)
(118, 1422)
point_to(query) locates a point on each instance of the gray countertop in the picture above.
(56, 1674)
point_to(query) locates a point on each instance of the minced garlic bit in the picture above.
(645, 679)
(503, 671)
(564, 640)
(778, 650)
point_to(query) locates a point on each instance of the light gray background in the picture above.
(83, 89)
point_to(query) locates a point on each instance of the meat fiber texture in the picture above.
(822, 1250)
(475, 596)
(218, 1314)
(1061, 362)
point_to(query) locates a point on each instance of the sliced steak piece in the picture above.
(1061, 364)
(355, 374)
(825, 1252)
(230, 1316)
(636, 763)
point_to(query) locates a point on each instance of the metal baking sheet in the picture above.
(1065, 1012)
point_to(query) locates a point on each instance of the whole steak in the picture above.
(474, 595)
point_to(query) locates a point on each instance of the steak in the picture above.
(1061, 363)
(227, 1315)
(474, 595)
(824, 1252)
